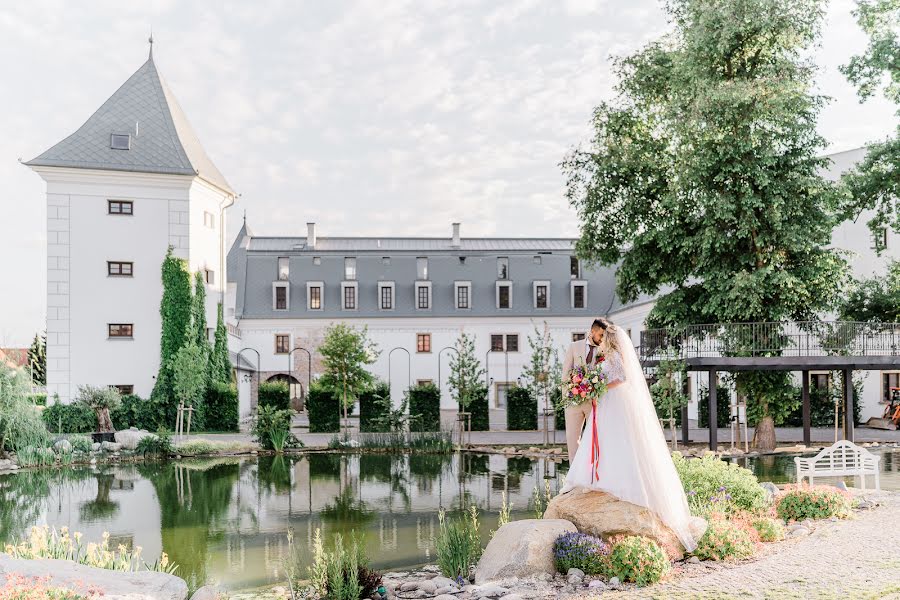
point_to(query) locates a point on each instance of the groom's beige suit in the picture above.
(577, 415)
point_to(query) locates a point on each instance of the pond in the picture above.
(225, 520)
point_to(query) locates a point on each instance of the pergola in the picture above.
(774, 346)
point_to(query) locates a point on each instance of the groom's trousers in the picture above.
(575, 419)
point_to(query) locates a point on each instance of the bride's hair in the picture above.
(609, 343)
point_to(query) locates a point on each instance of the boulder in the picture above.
(770, 489)
(64, 573)
(521, 549)
(63, 446)
(604, 515)
(208, 592)
(130, 438)
(111, 446)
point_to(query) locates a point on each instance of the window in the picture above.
(284, 268)
(512, 342)
(541, 294)
(125, 390)
(423, 342)
(504, 342)
(119, 269)
(386, 295)
(317, 260)
(422, 382)
(462, 260)
(496, 343)
(349, 293)
(890, 385)
(579, 297)
(502, 390)
(574, 267)
(504, 295)
(463, 294)
(820, 381)
(423, 296)
(577, 337)
(314, 295)
(385, 260)
(349, 268)
(120, 141)
(209, 220)
(209, 276)
(121, 330)
(120, 207)
(502, 268)
(282, 343)
(280, 296)
(421, 268)
(537, 260)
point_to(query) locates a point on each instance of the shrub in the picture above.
(342, 574)
(272, 428)
(637, 559)
(723, 406)
(521, 410)
(478, 406)
(424, 408)
(457, 545)
(560, 412)
(375, 409)
(323, 407)
(18, 587)
(157, 445)
(768, 529)
(38, 399)
(69, 418)
(81, 443)
(725, 540)
(276, 394)
(580, 551)
(200, 446)
(221, 405)
(134, 411)
(101, 400)
(817, 502)
(709, 477)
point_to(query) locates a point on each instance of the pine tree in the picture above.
(37, 359)
(175, 310)
(219, 367)
(466, 372)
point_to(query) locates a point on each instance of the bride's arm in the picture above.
(615, 371)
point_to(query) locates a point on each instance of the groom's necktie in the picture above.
(590, 356)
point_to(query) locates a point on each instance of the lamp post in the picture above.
(308, 367)
(238, 360)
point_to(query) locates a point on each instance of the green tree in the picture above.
(219, 364)
(543, 373)
(37, 359)
(101, 400)
(702, 178)
(874, 184)
(875, 299)
(346, 352)
(175, 310)
(198, 332)
(466, 372)
(189, 380)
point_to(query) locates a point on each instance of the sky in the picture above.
(368, 117)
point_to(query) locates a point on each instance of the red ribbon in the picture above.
(595, 444)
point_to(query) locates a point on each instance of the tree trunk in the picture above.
(104, 422)
(764, 435)
(346, 420)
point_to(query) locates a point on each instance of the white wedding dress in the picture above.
(634, 462)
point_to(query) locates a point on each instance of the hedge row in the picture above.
(374, 407)
(323, 407)
(276, 394)
(424, 408)
(521, 410)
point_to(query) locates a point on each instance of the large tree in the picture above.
(175, 310)
(37, 359)
(219, 364)
(346, 352)
(466, 373)
(874, 299)
(702, 179)
(874, 184)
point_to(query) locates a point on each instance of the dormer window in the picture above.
(120, 141)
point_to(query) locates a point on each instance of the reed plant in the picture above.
(458, 544)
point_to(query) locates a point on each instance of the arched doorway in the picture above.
(296, 389)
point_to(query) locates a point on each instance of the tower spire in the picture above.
(150, 40)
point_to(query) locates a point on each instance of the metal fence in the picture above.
(798, 338)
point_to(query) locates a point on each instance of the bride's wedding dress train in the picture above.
(634, 462)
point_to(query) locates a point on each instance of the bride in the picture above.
(634, 463)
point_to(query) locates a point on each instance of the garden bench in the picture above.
(842, 459)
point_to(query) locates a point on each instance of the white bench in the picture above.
(842, 459)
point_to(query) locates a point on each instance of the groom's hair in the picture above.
(601, 323)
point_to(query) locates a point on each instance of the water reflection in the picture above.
(225, 520)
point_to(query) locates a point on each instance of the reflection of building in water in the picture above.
(387, 533)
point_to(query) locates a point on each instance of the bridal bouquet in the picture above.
(585, 382)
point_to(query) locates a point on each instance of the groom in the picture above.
(586, 350)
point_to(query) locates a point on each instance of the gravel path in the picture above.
(858, 559)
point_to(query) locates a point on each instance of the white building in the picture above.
(130, 182)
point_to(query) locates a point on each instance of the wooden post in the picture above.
(848, 406)
(713, 412)
(685, 427)
(807, 438)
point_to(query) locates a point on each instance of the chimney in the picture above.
(455, 243)
(311, 235)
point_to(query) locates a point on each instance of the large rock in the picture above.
(521, 549)
(130, 438)
(604, 515)
(64, 573)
